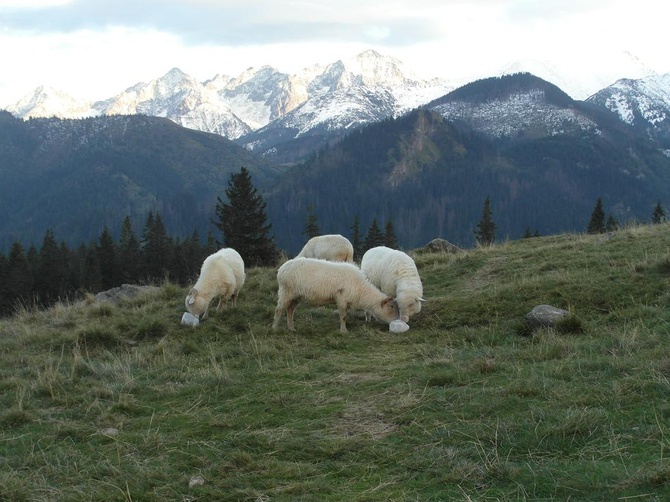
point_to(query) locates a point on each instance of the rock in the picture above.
(189, 319)
(398, 326)
(440, 245)
(122, 292)
(545, 316)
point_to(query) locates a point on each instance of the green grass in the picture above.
(121, 402)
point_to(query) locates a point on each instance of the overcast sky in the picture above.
(95, 49)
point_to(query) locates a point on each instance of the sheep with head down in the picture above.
(395, 274)
(332, 247)
(322, 282)
(222, 274)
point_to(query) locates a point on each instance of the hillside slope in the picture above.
(75, 176)
(103, 399)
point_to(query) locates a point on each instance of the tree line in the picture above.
(41, 276)
(55, 272)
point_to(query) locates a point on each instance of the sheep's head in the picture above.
(409, 305)
(196, 304)
(389, 309)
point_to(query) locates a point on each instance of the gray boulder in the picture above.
(125, 291)
(545, 316)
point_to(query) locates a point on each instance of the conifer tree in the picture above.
(485, 233)
(597, 222)
(658, 216)
(356, 240)
(390, 239)
(243, 222)
(156, 248)
(311, 225)
(17, 283)
(50, 275)
(129, 254)
(375, 237)
(106, 251)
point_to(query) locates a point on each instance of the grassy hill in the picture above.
(121, 402)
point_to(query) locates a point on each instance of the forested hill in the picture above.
(76, 176)
(429, 177)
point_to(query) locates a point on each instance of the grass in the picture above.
(121, 402)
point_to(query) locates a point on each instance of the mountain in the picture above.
(259, 97)
(345, 96)
(542, 157)
(643, 103)
(75, 176)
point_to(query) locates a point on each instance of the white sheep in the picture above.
(322, 282)
(222, 274)
(395, 273)
(332, 247)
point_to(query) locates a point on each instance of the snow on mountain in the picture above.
(637, 102)
(48, 102)
(269, 106)
(533, 108)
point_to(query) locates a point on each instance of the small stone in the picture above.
(398, 326)
(189, 319)
(545, 316)
(196, 481)
(111, 432)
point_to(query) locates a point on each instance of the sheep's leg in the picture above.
(279, 310)
(234, 299)
(342, 309)
(289, 314)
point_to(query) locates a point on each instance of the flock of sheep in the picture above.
(387, 284)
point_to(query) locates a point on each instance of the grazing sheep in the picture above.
(322, 282)
(222, 275)
(395, 273)
(332, 247)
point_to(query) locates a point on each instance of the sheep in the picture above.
(322, 282)
(222, 274)
(332, 247)
(395, 273)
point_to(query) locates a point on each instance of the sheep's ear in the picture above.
(191, 296)
(420, 300)
(387, 299)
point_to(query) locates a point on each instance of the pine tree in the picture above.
(597, 223)
(17, 283)
(156, 248)
(356, 239)
(485, 233)
(129, 254)
(658, 216)
(50, 275)
(106, 251)
(390, 239)
(375, 237)
(243, 222)
(311, 225)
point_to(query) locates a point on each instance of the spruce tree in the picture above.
(597, 222)
(485, 233)
(50, 275)
(375, 237)
(106, 250)
(243, 222)
(658, 216)
(390, 239)
(311, 225)
(129, 254)
(156, 248)
(17, 281)
(356, 239)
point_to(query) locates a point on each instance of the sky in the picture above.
(95, 49)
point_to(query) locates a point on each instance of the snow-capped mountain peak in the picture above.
(49, 102)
